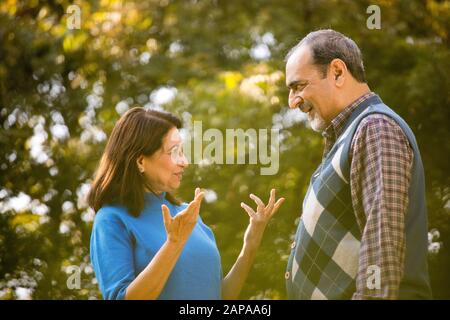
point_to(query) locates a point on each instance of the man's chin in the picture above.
(317, 128)
(317, 125)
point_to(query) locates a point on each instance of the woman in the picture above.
(144, 243)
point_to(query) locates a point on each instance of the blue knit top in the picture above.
(122, 246)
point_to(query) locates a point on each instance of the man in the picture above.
(363, 231)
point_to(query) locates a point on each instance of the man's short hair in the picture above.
(327, 45)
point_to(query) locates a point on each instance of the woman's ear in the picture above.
(140, 163)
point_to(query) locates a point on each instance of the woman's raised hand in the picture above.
(179, 228)
(263, 213)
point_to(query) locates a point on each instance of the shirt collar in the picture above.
(336, 126)
(155, 197)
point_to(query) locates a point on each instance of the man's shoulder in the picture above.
(378, 122)
(382, 128)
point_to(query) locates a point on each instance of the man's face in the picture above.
(308, 90)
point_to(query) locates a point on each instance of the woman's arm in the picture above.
(234, 281)
(150, 282)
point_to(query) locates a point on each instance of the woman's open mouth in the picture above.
(179, 175)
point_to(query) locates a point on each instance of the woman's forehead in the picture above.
(172, 138)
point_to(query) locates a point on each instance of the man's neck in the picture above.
(359, 90)
(354, 93)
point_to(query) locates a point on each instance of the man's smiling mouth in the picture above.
(306, 107)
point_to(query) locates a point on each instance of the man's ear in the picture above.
(140, 163)
(338, 71)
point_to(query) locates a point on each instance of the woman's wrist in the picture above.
(253, 237)
(259, 226)
(175, 245)
(256, 230)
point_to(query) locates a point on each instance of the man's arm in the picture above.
(380, 178)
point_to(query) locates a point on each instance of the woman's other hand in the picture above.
(259, 219)
(263, 213)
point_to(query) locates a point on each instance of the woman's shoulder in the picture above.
(111, 213)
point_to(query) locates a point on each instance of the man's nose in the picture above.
(295, 101)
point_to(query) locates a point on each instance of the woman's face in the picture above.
(164, 169)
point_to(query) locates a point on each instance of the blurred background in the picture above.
(63, 86)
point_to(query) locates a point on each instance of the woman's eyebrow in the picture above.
(175, 145)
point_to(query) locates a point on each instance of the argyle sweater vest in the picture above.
(323, 263)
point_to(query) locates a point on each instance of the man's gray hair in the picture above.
(327, 45)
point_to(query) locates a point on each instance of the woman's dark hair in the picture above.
(118, 180)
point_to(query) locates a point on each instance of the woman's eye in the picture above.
(175, 152)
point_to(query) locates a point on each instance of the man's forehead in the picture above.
(299, 64)
(300, 58)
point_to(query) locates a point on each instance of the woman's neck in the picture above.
(156, 192)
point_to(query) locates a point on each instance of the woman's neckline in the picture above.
(152, 196)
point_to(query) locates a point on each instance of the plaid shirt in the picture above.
(381, 160)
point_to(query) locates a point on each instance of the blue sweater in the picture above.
(123, 245)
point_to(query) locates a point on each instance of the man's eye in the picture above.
(297, 88)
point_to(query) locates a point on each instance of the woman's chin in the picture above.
(174, 186)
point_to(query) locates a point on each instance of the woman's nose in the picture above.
(183, 162)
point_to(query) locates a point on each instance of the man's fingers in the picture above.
(197, 191)
(257, 200)
(249, 210)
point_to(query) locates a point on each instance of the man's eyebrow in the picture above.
(295, 83)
